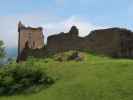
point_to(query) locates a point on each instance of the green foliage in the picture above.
(2, 52)
(95, 78)
(18, 79)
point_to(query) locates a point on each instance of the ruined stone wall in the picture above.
(115, 42)
(65, 41)
(103, 41)
(32, 37)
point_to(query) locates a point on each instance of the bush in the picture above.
(2, 49)
(20, 79)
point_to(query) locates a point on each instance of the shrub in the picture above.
(20, 79)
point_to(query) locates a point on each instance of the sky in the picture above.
(59, 15)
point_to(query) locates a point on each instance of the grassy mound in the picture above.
(94, 78)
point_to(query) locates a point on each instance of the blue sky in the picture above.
(60, 15)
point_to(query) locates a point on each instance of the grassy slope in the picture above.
(96, 78)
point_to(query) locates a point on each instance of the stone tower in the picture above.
(29, 36)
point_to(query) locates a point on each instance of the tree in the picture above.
(2, 49)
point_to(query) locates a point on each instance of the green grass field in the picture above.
(95, 78)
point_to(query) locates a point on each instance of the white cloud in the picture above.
(8, 25)
(65, 25)
(51, 25)
(8, 31)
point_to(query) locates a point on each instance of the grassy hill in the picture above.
(95, 78)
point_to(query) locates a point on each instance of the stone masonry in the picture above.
(115, 42)
(29, 36)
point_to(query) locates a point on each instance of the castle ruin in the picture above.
(29, 37)
(114, 42)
